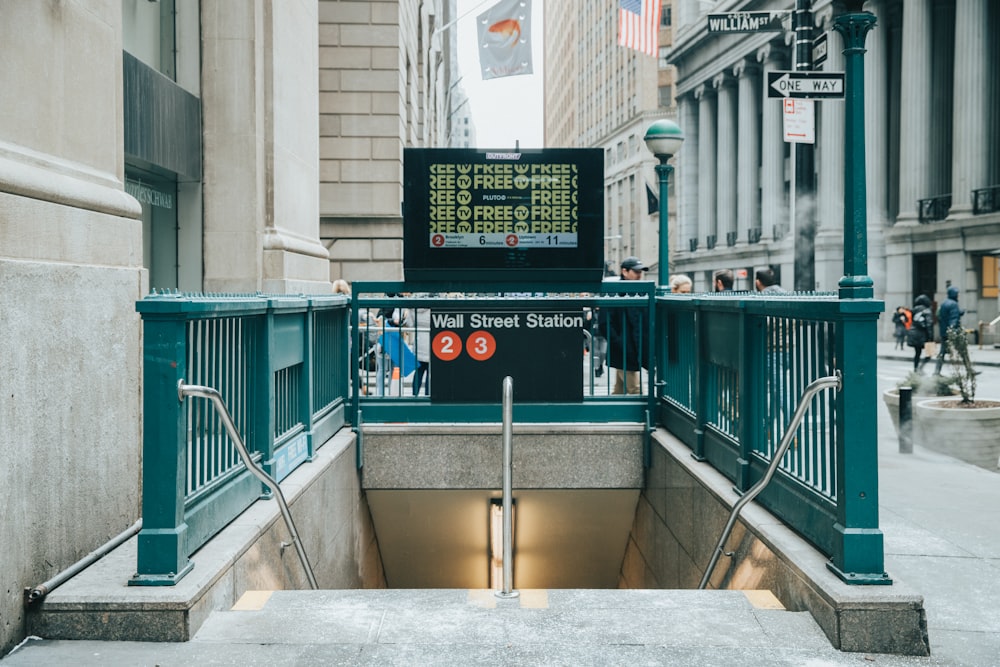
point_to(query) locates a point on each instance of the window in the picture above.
(666, 94)
(991, 263)
(665, 17)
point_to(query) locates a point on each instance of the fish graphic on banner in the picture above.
(505, 39)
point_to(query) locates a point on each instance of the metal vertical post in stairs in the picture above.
(508, 474)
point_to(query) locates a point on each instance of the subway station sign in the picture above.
(472, 351)
(492, 215)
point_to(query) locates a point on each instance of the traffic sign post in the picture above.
(805, 85)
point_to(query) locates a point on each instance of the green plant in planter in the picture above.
(965, 373)
(929, 385)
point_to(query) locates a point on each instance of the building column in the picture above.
(942, 72)
(915, 111)
(747, 150)
(877, 140)
(261, 154)
(971, 113)
(772, 159)
(725, 167)
(830, 176)
(687, 170)
(706, 164)
(685, 12)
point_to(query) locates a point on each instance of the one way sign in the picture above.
(805, 85)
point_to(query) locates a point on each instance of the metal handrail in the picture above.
(814, 387)
(258, 472)
(508, 474)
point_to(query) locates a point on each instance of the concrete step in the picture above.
(472, 627)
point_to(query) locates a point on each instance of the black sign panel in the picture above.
(525, 216)
(472, 351)
(819, 50)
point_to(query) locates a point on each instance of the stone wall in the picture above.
(331, 517)
(70, 273)
(681, 514)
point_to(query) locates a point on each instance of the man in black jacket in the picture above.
(949, 317)
(625, 328)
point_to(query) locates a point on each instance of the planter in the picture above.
(968, 434)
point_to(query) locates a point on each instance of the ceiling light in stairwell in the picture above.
(496, 541)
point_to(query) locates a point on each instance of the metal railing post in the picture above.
(162, 558)
(508, 474)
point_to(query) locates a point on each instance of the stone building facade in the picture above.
(202, 146)
(932, 142)
(600, 94)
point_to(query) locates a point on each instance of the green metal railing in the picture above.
(733, 370)
(280, 364)
(726, 373)
(380, 398)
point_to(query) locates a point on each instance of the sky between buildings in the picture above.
(509, 109)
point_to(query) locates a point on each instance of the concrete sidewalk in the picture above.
(941, 521)
(987, 355)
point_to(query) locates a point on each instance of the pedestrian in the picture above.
(680, 284)
(921, 330)
(901, 320)
(625, 330)
(598, 342)
(421, 319)
(766, 281)
(724, 281)
(949, 317)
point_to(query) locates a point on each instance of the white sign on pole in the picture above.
(800, 120)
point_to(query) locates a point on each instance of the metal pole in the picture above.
(38, 592)
(508, 504)
(663, 172)
(803, 159)
(906, 420)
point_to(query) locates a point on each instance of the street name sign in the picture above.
(806, 85)
(745, 22)
(819, 50)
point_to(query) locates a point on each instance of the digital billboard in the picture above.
(503, 215)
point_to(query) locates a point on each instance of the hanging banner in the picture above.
(505, 39)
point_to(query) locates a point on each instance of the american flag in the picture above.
(639, 25)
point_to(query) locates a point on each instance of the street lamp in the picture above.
(664, 139)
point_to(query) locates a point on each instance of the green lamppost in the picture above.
(854, 26)
(664, 139)
(858, 550)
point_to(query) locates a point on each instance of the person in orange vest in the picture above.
(902, 318)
